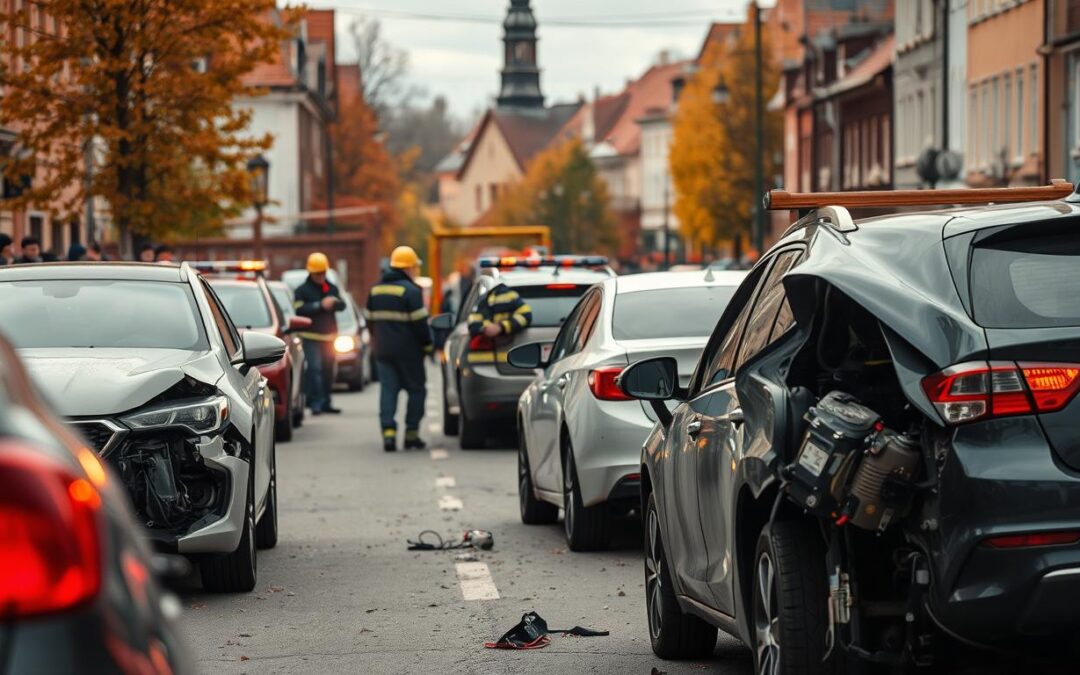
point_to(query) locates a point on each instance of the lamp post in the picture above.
(259, 169)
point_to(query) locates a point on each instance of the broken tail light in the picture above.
(49, 547)
(602, 384)
(979, 390)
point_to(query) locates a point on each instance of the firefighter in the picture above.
(399, 323)
(319, 300)
(501, 312)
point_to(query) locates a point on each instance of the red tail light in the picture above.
(1036, 539)
(602, 384)
(973, 391)
(48, 535)
(561, 287)
(481, 343)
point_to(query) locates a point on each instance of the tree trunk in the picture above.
(737, 247)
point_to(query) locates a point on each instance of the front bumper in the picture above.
(1000, 478)
(489, 396)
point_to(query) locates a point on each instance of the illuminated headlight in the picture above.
(199, 417)
(344, 344)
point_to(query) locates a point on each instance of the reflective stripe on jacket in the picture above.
(398, 318)
(504, 306)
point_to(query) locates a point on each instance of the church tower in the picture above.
(520, 75)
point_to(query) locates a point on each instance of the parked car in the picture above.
(480, 388)
(285, 300)
(579, 436)
(876, 457)
(251, 306)
(352, 346)
(79, 589)
(144, 361)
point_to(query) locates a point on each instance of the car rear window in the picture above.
(1028, 283)
(669, 312)
(346, 319)
(245, 304)
(551, 304)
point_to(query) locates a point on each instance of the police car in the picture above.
(480, 388)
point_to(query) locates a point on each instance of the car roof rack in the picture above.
(782, 200)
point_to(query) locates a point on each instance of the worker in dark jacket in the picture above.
(501, 312)
(319, 300)
(399, 322)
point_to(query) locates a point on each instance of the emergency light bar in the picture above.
(549, 261)
(230, 266)
(781, 200)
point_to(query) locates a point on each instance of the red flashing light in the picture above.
(973, 391)
(561, 287)
(49, 548)
(602, 383)
(1034, 539)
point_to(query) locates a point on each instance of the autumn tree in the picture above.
(714, 147)
(562, 189)
(382, 67)
(127, 78)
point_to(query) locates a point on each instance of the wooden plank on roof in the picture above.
(777, 200)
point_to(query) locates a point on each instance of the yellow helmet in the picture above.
(404, 258)
(317, 263)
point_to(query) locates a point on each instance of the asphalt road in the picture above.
(341, 594)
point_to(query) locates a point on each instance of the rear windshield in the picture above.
(346, 319)
(671, 312)
(550, 306)
(85, 313)
(245, 304)
(1030, 283)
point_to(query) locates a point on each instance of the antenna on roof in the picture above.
(709, 275)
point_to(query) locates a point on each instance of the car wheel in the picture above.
(673, 635)
(266, 532)
(586, 527)
(235, 572)
(472, 435)
(449, 421)
(789, 609)
(283, 427)
(533, 510)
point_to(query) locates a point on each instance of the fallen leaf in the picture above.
(622, 594)
(245, 635)
(199, 605)
(244, 658)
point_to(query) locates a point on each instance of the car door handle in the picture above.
(693, 428)
(735, 418)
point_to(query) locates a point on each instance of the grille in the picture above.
(97, 434)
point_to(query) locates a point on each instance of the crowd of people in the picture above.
(30, 251)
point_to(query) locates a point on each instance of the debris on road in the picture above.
(481, 539)
(532, 633)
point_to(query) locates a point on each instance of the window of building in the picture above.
(56, 238)
(886, 147)
(1033, 123)
(985, 122)
(1006, 105)
(37, 227)
(1019, 146)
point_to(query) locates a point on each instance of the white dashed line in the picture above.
(439, 453)
(445, 482)
(449, 503)
(476, 582)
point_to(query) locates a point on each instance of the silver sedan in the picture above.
(579, 436)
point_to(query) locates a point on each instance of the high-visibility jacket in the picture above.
(501, 305)
(397, 318)
(308, 303)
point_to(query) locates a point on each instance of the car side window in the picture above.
(721, 358)
(566, 339)
(589, 314)
(761, 321)
(229, 336)
(470, 303)
(784, 321)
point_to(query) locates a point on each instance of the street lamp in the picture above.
(259, 169)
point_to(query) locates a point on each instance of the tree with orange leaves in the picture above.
(713, 146)
(144, 85)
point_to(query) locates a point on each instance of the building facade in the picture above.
(1063, 93)
(919, 86)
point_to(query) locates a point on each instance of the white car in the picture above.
(579, 436)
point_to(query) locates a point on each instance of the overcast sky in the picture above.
(461, 59)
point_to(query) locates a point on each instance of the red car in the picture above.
(250, 303)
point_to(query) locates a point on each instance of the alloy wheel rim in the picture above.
(653, 583)
(766, 618)
(568, 496)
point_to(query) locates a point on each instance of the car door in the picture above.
(544, 442)
(719, 436)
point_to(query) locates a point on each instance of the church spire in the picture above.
(520, 74)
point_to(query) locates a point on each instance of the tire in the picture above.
(472, 435)
(266, 531)
(533, 510)
(789, 615)
(449, 421)
(673, 635)
(283, 427)
(298, 412)
(586, 527)
(235, 572)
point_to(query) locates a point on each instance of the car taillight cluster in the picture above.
(49, 547)
(979, 390)
(602, 384)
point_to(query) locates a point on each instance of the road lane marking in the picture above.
(445, 482)
(450, 503)
(476, 582)
(439, 453)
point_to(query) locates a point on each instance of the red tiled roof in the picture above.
(651, 90)
(527, 132)
(274, 73)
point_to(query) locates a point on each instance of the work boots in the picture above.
(389, 440)
(413, 441)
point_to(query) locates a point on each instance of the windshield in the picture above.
(100, 313)
(551, 306)
(245, 304)
(669, 313)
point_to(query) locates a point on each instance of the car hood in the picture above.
(82, 382)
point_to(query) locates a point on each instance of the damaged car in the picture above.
(876, 463)
(144, 361)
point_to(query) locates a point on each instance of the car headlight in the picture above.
(344, 344)
(199, 417)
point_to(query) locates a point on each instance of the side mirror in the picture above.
(654, 379)
(529, 357)
(261, 349)
(298, 323)
(443, 322)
